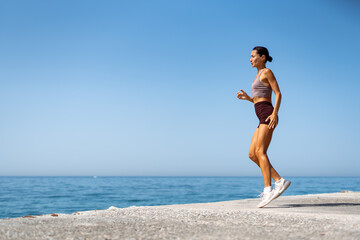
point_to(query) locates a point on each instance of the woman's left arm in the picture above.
(275, 87)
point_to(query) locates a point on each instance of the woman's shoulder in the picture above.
(267, 72)
(267, 76)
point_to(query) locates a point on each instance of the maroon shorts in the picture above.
(263, 110)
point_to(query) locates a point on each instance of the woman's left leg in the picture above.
(262, 144)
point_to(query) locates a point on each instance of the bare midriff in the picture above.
(261, 99)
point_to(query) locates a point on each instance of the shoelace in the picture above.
(261, 193)
(278, 185)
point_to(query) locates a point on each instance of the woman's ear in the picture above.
(263, 57)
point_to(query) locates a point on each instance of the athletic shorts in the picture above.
(264, 110)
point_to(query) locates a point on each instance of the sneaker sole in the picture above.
(287, 184)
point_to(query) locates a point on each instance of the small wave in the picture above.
(60, 196)
(136, 200)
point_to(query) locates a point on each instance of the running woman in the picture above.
(262, 87)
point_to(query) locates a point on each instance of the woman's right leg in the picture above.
(253, 157)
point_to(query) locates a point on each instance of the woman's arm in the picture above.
(268, 74)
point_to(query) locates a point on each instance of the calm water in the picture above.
(20, 196)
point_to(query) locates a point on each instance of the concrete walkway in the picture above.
(319, 216)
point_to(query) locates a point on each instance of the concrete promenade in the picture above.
(318, 216)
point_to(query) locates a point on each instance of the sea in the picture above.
(21, 196)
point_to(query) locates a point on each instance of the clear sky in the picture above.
(149, 87)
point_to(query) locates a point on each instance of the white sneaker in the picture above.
(281, 187)
(267, 197)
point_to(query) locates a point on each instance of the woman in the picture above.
(262, 88)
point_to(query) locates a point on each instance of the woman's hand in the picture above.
(273, 120)
(243, 95)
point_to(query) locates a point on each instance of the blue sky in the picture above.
(149, 87)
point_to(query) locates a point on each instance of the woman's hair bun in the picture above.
(269, 58)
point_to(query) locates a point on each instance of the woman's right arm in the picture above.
(243, 96)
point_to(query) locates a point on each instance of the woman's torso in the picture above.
(261, 91)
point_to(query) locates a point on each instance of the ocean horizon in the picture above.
(35, 195)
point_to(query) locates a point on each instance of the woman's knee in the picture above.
(252, 156)
(260, 154)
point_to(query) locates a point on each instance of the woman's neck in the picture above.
(261, 68)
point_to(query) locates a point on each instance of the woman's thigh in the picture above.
(263, 138)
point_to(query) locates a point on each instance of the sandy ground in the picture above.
(319, 216)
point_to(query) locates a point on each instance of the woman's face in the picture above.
(256, 60)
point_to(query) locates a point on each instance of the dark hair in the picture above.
(263, 51)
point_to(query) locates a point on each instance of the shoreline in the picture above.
(312, 216)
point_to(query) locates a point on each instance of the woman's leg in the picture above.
(253, 157)
(257, 153)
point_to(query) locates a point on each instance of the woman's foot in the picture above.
(267, 197)
(281, 186)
